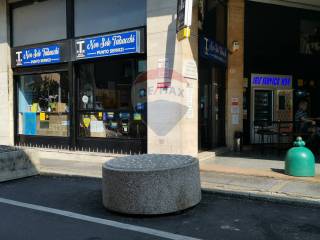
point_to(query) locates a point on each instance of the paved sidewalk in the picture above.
(228, 174)
(257, 177)
(262, 187)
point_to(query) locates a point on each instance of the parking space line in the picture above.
(105, 222)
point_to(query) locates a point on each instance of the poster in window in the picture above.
(30, 123)
(113, 125)
(97, 127)
(124, 115)
(110, 115)
(137, 117)
(42, 116)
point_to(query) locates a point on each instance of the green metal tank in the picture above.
(300, 161)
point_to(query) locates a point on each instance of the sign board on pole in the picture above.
(184, 18)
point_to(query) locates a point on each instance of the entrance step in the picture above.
(66, 162)
(211, 155)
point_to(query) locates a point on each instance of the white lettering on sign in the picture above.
(36, 53)
(92, 45)
(106, 42)
(118, 40)
(48, 52)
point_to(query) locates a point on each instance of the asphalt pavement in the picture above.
(67, 208)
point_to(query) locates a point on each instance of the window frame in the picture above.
(21, 139)
(79, 110)
(73, 141)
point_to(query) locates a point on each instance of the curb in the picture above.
(263, 174)
(264, 197)
(245, 194)
(49, 172)
(277, 198)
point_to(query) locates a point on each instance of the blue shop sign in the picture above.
(212, 50)
(273, 81)
(108, 45)
(38, 56)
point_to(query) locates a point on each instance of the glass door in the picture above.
(211, 108)
(263, 105)
(262, 111)
(218, 107)
(205, 110)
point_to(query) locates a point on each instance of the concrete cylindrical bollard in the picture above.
(151, 184)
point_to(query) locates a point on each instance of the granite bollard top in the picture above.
(148, 162)
(151, 183)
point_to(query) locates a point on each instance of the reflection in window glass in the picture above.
(112, 99)
(43, 104)
(45, 21)
(98, 16)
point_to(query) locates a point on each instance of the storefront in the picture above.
(75, 79)
(272, 102)
(212, 74)
(112, 76)
(281, 69)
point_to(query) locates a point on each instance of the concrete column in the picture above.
(6, 85)
(172, 110)
(234, 84)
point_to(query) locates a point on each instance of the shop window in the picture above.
(99, 16)
(43, 107)
(44, 20)
(112, 99)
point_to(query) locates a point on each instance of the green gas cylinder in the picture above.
(300, 161)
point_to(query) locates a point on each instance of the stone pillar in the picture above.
(234, 83)
(172, 97)
(6, 85)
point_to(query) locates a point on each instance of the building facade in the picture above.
(115, 76)
(96, 75)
